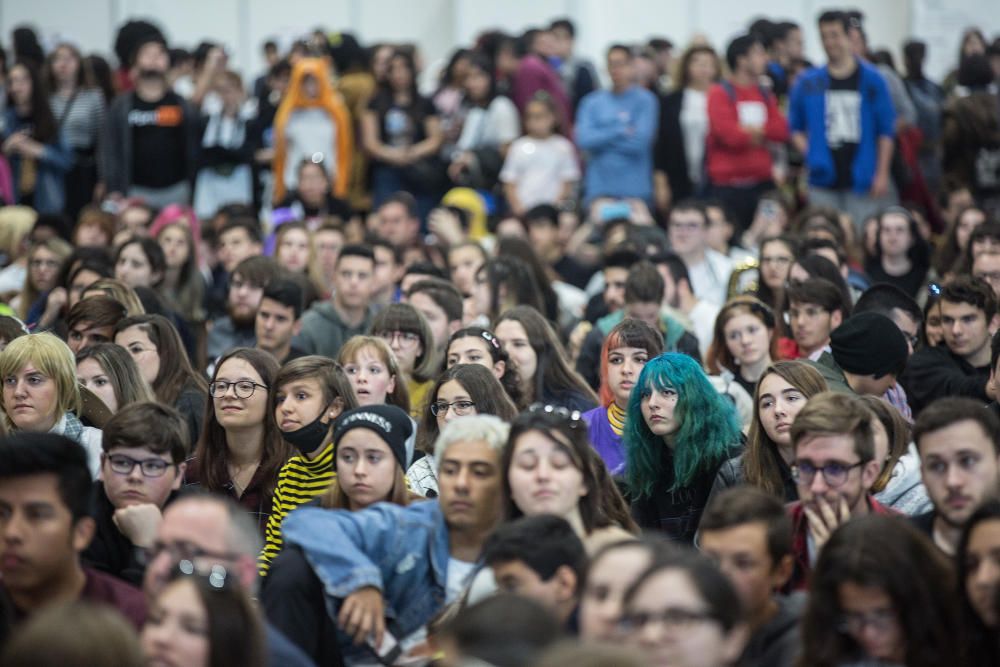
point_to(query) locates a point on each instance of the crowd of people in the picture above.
(357, 364)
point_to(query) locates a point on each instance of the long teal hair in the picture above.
(709, 425)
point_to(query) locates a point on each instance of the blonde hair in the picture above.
(52, 358)
(15, 223)
(400, 396)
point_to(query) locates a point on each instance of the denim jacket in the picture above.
(402, 551)
(55, 161)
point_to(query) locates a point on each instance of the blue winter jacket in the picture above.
(807, 113)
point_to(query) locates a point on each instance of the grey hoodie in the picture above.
(324, 332)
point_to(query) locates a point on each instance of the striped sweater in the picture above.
(299, 481)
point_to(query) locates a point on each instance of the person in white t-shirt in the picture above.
(541, 166)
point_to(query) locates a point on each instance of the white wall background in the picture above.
(438, 26)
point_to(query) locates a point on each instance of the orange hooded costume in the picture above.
(327, 99)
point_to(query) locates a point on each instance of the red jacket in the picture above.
(730, 155)
(800, 542)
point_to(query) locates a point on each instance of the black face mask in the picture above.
(309, 438)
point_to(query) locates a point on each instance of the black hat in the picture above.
(869, 344)
(390, 423)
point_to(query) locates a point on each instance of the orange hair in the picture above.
(327, 99)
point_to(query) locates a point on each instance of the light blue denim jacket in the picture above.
(402, 551)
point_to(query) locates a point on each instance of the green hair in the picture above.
(709, 425)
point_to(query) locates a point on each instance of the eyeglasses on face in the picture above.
(673, 618)
(460, 408)
(879, 620)
(182, 550)
(834, 473)
(243, 388)
(215, 574)
(124, 465)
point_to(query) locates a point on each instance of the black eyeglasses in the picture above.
(124, 465)
(835, 474)
(243, 388)
(574, 416)
(460, 408)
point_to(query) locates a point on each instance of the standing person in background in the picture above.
(842, 121)
(616, 128)
(524, 62)
(402, 134)
(680, 142)
(578, 74)
(356, 85)
(33, 143)
(79, 110)
(743, 118)
(311, 124)
(224, 174)
(151, 134)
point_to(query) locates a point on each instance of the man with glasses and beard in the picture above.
(152, 134)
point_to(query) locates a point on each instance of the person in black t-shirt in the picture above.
(152, 135)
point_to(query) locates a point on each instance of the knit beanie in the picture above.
(390, 423)
(869, 344)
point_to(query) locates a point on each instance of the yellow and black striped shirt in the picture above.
(299, 481)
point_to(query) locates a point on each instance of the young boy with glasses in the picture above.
(142, 467)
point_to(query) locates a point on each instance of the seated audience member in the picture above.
(542, 558)
(625, 352)
(464, 262)
(683, 611)
(388, 269)
(476, 345)
(240, 450)
(357, 554)
(743, 344)
(145, 448)
(893, 302)
(373, 372)
(156, 348)
(348, 312)
(463, 389)
(612, 571)
(978, 583)
(834, 469)
(678, 431)
(959, 446)
(310, 393)
(441, 305)
(748, 533)
(898, 486)
(541, 362)
(708, 269)
(815, 308)
(74, 633)
(195, 599)
(644, 290)
(421, 270)
(902, 257)
(867, 353)
(697, 314)
(880, 594)
(140, 262)
(549, 468)
(502, 631)
(960, 367)
(41, 393)
(610, 296)
(118, 291)
(238, 239)
(246, 287)
(45, 491)
(92, 321)
(215, 534)
(278, 319)
(110, 373)
(766, 462)
(543, 233)
(408, 335)
(986, 266)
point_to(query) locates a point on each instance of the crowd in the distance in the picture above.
(506, 368)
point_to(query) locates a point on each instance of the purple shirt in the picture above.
(604, 441)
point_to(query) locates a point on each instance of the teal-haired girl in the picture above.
(678, 431)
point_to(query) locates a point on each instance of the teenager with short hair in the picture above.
(145, 448)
